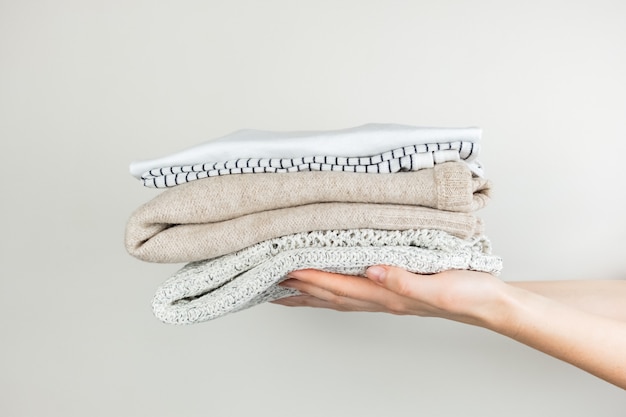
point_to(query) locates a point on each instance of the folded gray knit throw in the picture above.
(209, 289)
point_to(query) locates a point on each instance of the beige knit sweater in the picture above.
(209, 218)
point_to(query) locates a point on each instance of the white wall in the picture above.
(88, 86)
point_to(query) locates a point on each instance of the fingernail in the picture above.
(376, 273)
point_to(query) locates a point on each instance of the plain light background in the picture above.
(88, 86)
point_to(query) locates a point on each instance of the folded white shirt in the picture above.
(361, 141)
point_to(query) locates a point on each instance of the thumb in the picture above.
(395, 279)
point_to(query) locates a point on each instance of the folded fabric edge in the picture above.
(188, 298)
(286, 144)
(407, 158)
(155, 242)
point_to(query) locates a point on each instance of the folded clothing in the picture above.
(408, 158)
(448, 186)
(209, 289)
(178, 241)
(366, 140)
(205, 219)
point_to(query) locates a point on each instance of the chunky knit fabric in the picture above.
(212, 288)
(408, 158)
(366, 140)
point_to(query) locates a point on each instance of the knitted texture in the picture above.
(204, 219)
(209, 289)
(178, 239)
(369, 139)
(449, 186)
(408, 158)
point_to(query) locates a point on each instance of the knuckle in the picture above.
(403, 287)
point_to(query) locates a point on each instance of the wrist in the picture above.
(505, 312)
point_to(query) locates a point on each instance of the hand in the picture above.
(575, 331)
(466, 296)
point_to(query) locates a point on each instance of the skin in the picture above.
(580, 322)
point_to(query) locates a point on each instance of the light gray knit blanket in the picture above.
(209, 289)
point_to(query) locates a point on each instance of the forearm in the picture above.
(593, 343)
(565, 330)
(602, 297)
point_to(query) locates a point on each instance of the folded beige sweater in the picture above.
(183, 233)
(448, 186)
(208, 218)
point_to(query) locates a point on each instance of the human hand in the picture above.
(465, 296)
(594, 343)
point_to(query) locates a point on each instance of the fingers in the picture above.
(451, 294)
(337, 287)
(427, 294)
(311, 301)
(348, 292)
(400, 281)
(455, 294)
(304, 301)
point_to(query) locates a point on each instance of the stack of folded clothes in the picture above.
(248, 208)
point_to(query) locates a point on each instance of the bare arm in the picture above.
(594, 343)
(602, 297)
(573, 328)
